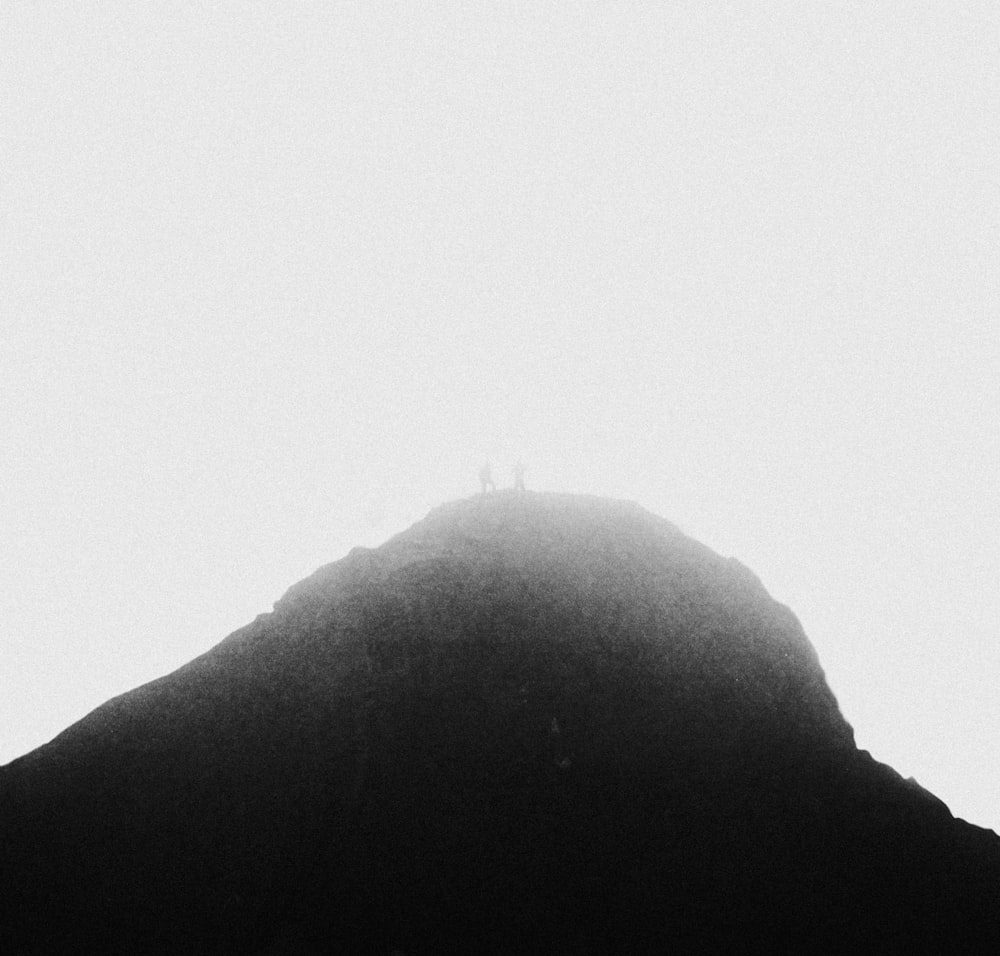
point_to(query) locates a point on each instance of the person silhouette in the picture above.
(486, 478)
(519, 476)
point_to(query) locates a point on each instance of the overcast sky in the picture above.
(276, 278)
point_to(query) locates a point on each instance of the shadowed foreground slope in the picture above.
(530, 723)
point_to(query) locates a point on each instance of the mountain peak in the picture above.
(528, 723)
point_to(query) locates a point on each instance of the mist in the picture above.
(276, 282)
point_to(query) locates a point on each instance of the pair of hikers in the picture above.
(488, 484)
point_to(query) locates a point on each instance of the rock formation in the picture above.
(529, 724)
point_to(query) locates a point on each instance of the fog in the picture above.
(277, 280)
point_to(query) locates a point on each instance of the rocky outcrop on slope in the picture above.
(530, 723)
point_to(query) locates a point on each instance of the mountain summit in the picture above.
(530, 723)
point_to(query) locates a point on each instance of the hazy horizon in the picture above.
(276, 282)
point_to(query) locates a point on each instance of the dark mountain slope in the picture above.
(530, 723)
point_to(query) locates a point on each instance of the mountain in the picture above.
(531, 723)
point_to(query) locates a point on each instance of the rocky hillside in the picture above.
(529, 724)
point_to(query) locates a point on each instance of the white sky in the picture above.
(275, 278)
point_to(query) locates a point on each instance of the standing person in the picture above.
(519, 476)
(486, 478)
